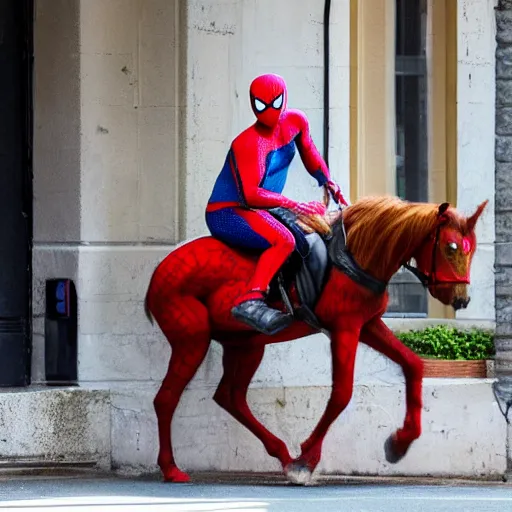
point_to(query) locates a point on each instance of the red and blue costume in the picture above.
(251, 182)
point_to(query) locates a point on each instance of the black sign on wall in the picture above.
(16, 60)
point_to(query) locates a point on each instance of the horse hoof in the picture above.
(174, 475)
(392, 455)
(298, 473)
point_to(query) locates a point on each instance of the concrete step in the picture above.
(464, 433)
(54, 429)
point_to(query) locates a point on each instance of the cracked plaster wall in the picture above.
(131, 138)
(106, 174)
(229, 42)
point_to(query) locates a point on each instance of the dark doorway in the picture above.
(16, 60)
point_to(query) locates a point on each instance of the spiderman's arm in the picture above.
(311, 157)
(313, 161)
(249, 168)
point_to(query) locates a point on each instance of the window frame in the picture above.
(372, 104)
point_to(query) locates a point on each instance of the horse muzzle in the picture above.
(460, 303)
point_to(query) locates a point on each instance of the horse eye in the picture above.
(453, 246)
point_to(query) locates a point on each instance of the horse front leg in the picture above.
(343, 348)
(377, 335)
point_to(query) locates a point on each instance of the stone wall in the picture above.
(504, 176)
(504, 201)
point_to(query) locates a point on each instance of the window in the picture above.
(403, 114)
(411, 100)
(407, 295)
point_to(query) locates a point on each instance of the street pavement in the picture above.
(109, 494)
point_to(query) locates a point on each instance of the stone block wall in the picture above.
(504, 177)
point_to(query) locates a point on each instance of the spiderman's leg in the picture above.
(251, 308)
(256, 230)
(280, 246)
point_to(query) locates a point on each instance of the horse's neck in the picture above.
(387, 256)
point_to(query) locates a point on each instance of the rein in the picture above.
(427, 279)
(343, 260)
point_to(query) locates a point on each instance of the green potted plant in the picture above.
(451, 352)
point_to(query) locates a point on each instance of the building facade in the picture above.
(135, 105)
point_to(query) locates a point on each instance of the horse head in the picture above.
(385, 233)
(443, 261)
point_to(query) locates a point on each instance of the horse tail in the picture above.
(327, 197)
(149, 316)
(147, 311)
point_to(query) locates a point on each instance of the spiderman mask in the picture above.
(268, 99)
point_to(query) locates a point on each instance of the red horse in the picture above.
(193, 289)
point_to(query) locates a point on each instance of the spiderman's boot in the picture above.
(254, 312)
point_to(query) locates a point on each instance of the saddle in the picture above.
(305, 273)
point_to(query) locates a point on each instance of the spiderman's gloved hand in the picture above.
(335, 191)
(311, 208)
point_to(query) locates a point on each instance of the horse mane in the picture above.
(383, 231)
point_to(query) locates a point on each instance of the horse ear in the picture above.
(471, 222)
(441, 213)
(442, 208)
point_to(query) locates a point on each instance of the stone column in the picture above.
(504, 202)
(106, 173)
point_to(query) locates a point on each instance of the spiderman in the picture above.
(251, 181)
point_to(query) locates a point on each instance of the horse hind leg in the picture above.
(185, 324)
(240, 365)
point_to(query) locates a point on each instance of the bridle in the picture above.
(430, 279)
(426, 279)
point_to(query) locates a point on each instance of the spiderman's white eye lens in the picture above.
(260, 106)
(278, 102)
(453, 246)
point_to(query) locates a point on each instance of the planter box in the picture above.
(442, 368)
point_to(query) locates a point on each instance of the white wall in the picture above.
(137, 102)
(106, 186)
(475, 131)
(128, 144)
(231, 42)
